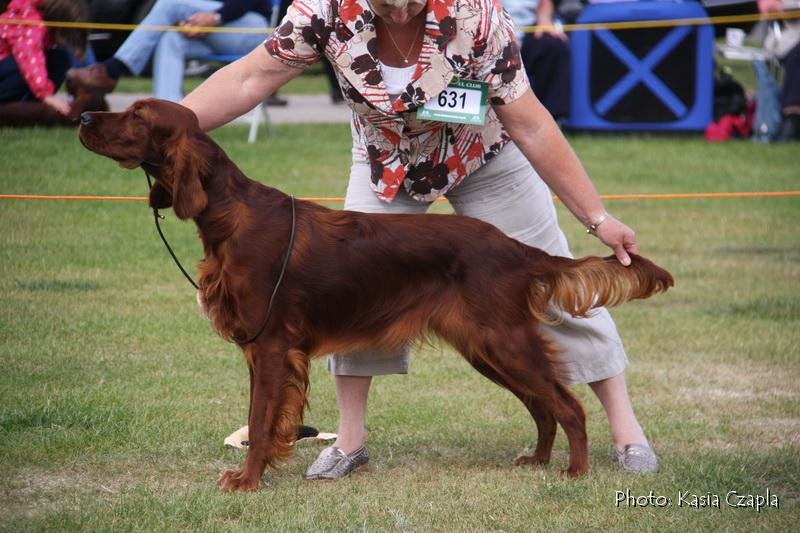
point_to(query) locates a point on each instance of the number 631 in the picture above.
(451, 99)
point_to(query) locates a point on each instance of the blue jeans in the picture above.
(172, 49)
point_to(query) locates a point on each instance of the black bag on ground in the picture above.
(729, 95)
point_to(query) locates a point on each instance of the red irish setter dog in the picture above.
(356, 280)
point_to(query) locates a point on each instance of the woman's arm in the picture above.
(536, 134)
(237, 88)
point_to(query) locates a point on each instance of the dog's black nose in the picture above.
(86, 119)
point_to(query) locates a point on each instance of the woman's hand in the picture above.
(59, 104)
(536, 134)
(619, 237)
(203, 19)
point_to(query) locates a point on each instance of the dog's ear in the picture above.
(160, 198)
(189, 164)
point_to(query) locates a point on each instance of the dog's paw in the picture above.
(573, 473)
(238, 481)
(534, 459)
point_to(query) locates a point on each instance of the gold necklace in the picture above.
(413, 41)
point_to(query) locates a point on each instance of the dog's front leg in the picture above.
(279, 382)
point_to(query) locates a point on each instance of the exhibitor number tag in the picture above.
(463, 101)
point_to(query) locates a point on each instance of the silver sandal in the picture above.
(334, 464)
(637, 458)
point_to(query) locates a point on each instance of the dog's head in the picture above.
(162, 137)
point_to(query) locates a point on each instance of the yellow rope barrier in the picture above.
(728, 19)
(668, 23)
(131, 27)
(680, 196)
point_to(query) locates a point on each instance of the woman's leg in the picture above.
(174, 49)
(135, 52)
(613, 395)
(351, 395)
(169, 64)
(238, 43)
(353, 371)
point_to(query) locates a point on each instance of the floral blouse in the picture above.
(467, 39)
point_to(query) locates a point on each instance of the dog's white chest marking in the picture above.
(202, 305)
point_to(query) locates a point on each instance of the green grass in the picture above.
(115, 395)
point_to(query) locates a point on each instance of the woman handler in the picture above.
(393, 58)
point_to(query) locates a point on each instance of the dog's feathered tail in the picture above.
(577, 286)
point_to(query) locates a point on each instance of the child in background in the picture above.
(34, 59)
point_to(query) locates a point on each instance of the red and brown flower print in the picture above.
(468, 39)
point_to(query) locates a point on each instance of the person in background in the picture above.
(545, 53)
(171, 49)
(787, 49)
(34, 59)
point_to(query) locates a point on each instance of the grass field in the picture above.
(115, 395)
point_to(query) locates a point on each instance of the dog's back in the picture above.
(397, 276)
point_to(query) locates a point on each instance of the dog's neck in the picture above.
(239, 209)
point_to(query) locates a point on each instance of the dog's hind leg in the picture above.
(280, 382)
(546, 427)
(521, 359)
(570, 415)
(545, 421)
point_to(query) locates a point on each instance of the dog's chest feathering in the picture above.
(212, 312)
(204, 309)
